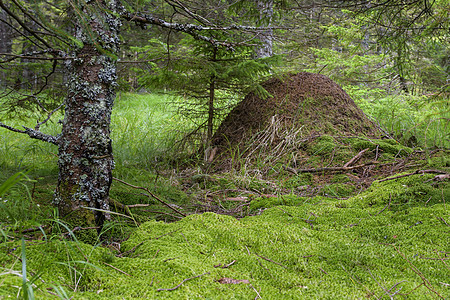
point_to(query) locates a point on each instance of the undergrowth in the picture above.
(301, 236)
(297, 248)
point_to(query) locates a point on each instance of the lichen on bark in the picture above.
(85, 152)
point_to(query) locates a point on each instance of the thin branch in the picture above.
(413, 173)
(187, 279)
(34, 134)
(355, 158)
(329, 169)
(117, 269)
(38, 125)
(17, 56)
(191, 29)
(265, 258)
(150, 194)
(425, 281)
(2, 5)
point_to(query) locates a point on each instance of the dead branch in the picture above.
(173, 231)
(226, 280)
(34, 134)
(425, 281)
(328, 169)
(121, 206)
(265, 258)
(414, 173)
(355, 158)
(187, 279)
(117, 269)
(130, 251)
(150, 194)
(260, 263)
(224, 266)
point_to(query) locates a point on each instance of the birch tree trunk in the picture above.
(85, 152)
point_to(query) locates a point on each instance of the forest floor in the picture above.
(332, 217)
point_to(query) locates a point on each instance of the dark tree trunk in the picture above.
(211, 109)
(85, 153)
(6, 41)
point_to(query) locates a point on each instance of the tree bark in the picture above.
(6, 42)
(265, 8)
(85, 152)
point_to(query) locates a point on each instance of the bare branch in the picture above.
(34, 134)
(2, 5)
(38, 125)
(192, 29)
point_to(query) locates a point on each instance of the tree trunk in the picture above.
(265, 8)
(6, 41)
(211, 109)
(85, 152)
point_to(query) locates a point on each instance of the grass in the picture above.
(413, 120)
(388, 241)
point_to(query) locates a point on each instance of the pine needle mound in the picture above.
(299, 106)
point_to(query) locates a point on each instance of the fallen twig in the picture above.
(121, 206)
(265, 258)
(39, 228)
(387, 205)
(260, 263)
(413, 173)
(328, 169)
(173, 231)
(442, 219)
(117, 269)
(425, 281)
(258, 295)
(187, 279)
(150, 194)
(355, 158)
(225, 266)
(130, 251)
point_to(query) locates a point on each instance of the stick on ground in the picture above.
(187, 279)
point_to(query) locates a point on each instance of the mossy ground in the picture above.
(337, 235)
(390, 239)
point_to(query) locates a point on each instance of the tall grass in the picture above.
(145, 130)
(417, 121)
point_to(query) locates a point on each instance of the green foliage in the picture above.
(415, 121)
(209, 79)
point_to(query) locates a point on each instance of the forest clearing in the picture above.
(306, 157)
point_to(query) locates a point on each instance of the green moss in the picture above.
(387, 146)
(340, 178)
(298, 248)
(441, 161)
(299, 180)
(403, 193)
(337, 190)
(323, 145)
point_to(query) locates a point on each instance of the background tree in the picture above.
(210, 78)
(89, 52)
(82, 37)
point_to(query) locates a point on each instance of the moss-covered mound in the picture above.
(299, 105)
(389, 242)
